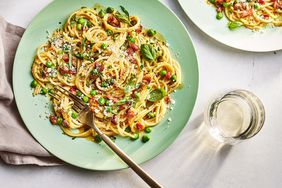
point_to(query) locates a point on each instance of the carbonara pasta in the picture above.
(253, 14)
(123, 71)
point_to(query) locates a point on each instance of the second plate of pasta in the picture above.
(247, 25)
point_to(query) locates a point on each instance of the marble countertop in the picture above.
(194, 160)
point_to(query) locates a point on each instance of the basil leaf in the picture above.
(157, 95)
(125, 11)
(234, 25)
(148, 52)
(122, 18)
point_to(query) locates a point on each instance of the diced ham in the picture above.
(139, 126)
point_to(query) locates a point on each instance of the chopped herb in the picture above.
(78, 93)
(109, 32)
(83, 44)
(151, 32)
(98, 139)
(127, 129)
(102, 13)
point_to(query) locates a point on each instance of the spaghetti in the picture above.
(123, 71)
(253, 14)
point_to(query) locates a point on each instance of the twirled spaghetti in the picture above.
(123, 71)
(253, 14)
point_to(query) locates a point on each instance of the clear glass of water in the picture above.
(235, 116)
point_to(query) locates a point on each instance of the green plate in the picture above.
(203, 15)
(81, 152)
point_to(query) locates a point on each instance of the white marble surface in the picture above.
(194, 160)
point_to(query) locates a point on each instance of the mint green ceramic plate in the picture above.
(203, 15)
(81, 152)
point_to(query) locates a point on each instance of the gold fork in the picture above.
(85, 116)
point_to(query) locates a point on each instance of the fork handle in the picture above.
(135, 167)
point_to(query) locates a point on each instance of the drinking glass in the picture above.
(235, 116)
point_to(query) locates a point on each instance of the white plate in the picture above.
(203, 15)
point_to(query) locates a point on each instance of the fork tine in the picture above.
(77, 109)
(78, 102)
(54, 96)
(74, 97)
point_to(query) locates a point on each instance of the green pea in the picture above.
(234, 25)
(109, 32)
(110, 10)
(78, 93)
(51, 91)
(93, 92)
(49, 64)
(59, 120)
(130, 39)
(148, 129)
(127, 129)
(98, 139)
(79, 26)
(135, 136)
(145, 138)
(256, 6)
(101, 101)
(226, 4)
(104, 46)
(53, 66)
(219, 15)
(151, 32)
(151, 115)
(104, 84)
(107, 103)
(102, 13)
(112, 81)
(85, 99)
(81, 21)
(44, 91)
(74, 115)
(173, 78)
(89, 24)
(94, 72)
(163, 72)
(34, 83)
